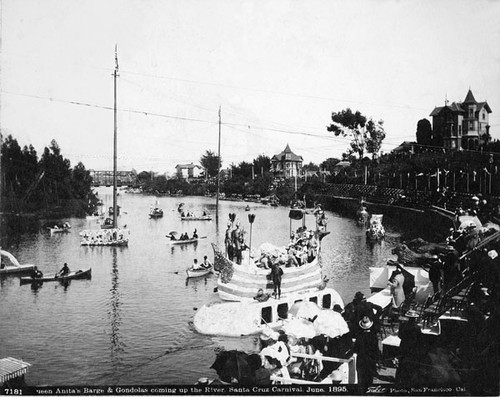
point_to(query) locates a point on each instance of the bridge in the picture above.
(105, 178)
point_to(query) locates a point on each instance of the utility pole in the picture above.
(218, 176)
(115, 74)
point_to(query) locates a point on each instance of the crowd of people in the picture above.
(103, 237)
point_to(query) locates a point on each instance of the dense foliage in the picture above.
(45, 184)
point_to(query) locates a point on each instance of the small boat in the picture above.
(64, 228)
(14, 267)
(196, 218)
(109, 238)
(108, 224)
(375, 230)
(189, 241)
(156, 213)
(76, 275)
(192, 273)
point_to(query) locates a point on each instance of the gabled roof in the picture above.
(404, 146)
(287, 155)
(469, 98)
(480, 105)
(436, 110)
(184, 166)
(455, 107)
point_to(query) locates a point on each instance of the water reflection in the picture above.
(114, 312)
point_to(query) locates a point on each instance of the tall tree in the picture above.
(262, 164)
(366, 136)
(210, 161)
(424, 132)
(349, 124)
(375, 136)
(329, 164)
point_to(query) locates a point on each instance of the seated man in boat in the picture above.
(64, 271)
(195, 234)
(206, 264)
(196, 265)
(36, 273)
(172, 236)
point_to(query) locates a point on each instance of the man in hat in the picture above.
(366, 347)
(359, 308)
(410, 347)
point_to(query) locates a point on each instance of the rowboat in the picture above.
(196, 218)
(76, 275)
(191, 273)
(156, 213)
(375, 230)
(14, 267)
(60, 229)
(190, 241)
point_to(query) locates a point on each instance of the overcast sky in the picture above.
(277, 69)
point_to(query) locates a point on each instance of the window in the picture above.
(484, 115)
(471, 113)
(314, 299)
(266, 315)
(283, 310)
(327, 301)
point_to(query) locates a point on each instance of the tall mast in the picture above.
(115, 74)
(218, 177)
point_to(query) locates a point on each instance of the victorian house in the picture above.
(286, 163)
(462, 124)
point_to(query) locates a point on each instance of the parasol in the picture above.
(173, 233)
(331, 324)
(233, 365)
(299, 328)
(307, 310)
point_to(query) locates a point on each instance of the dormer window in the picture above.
(471, 112)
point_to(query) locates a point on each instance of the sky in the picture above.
(277, 69)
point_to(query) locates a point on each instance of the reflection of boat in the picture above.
(76, 275)
(191, 273)
(238, 313)
(375, 229)
(14, 267)
(196, 218)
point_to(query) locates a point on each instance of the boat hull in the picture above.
(80, 274)
(196, 218)
(190, 241)
(191, 273)
(247, 280)
(250, 317)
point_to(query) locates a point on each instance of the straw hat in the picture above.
(365, 322)
(411, 314)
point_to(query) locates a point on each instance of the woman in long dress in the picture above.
(397, 292)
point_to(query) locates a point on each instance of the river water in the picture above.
(131, 323)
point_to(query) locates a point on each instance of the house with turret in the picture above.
(287, 163)
(462, 125)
